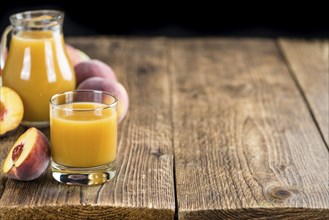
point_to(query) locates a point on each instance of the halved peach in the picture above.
(29, 156)
(11, 110)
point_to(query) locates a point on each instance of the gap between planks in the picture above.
(300, 89)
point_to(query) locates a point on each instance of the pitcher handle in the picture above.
(3, 46)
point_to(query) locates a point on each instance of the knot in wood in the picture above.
(279, 193)
(146, 68)
(157, 152)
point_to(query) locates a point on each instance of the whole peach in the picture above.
(93, 68)
(76, 56)
(113, 87)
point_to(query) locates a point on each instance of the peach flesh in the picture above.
(3, 111)
(11, 110)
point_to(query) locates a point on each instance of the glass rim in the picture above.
(107, 106)
(20, 17)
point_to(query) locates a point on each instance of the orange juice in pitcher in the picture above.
(37, 65)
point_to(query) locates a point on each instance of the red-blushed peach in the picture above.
(113, 87)
(29, 157)
(124, 99)
(76, 56)
(11, 110)
(93, 68)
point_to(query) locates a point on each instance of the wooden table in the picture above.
(217, 128)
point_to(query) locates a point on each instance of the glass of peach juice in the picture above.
(83, 136)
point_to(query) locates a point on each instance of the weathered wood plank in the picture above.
(245, 143)
(309, 62)
(143, 188)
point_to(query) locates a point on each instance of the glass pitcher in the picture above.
(37, 65)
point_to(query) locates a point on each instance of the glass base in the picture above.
(37, 124)
(83, 176)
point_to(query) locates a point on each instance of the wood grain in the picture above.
(245, 143)
(309, 62)
(143, 188)
(227, 124)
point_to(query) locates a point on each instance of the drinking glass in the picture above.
(83, 135)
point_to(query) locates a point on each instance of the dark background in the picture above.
(182, 19)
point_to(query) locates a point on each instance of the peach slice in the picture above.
(11, 110)
(29, 157)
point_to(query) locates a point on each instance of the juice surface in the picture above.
(37, 67)
(83, 138)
